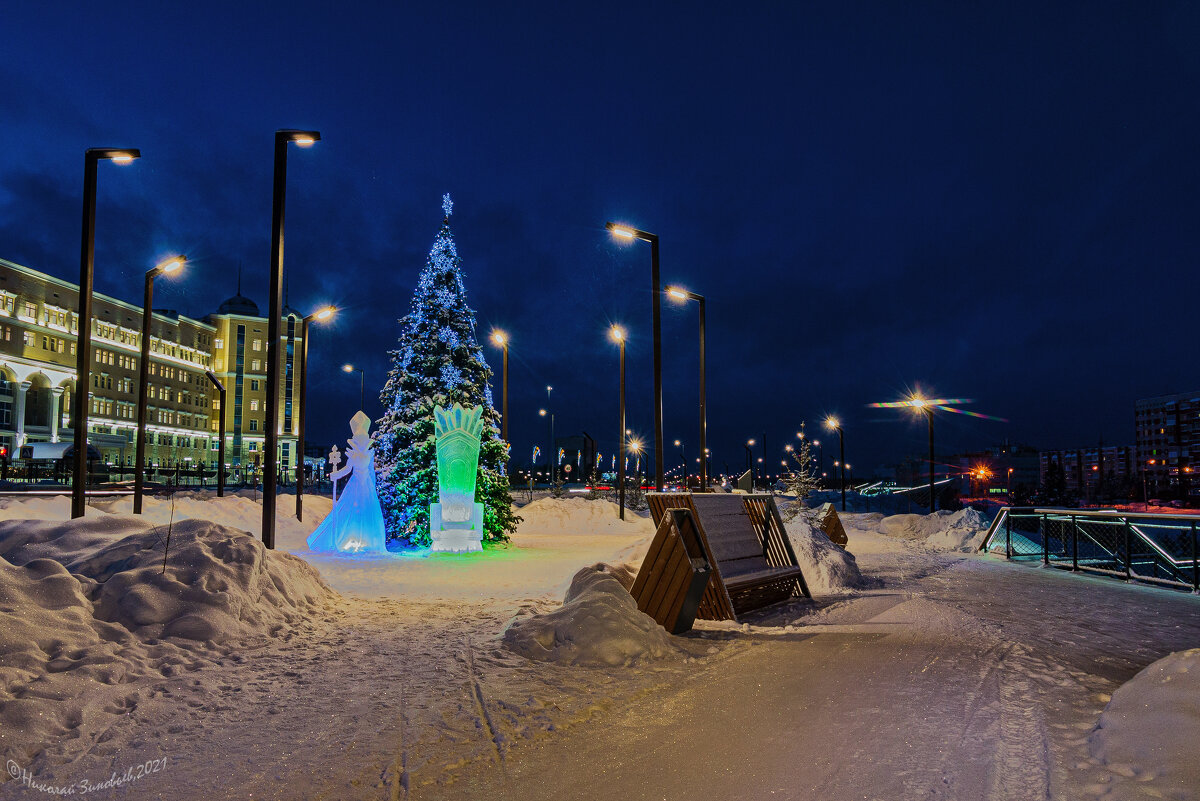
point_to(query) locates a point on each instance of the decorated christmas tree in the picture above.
(438, 361)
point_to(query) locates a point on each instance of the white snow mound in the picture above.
(1152, 724)
(598, 624)
(564, 515)
(942, 531)
(219, 584)
(89, 614)
(827, 568)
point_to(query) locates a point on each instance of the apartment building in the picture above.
(1168, 443)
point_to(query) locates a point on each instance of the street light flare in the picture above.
(500, 338)
(617, 333)
(171, 265)
(304, 141)
(677, 293)
(348, 368)
(326, 313)
(621, 231)
(832, 423)
(122, 158)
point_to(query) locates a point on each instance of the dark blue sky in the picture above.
(997, 203)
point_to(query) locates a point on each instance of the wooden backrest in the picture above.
(734, 543)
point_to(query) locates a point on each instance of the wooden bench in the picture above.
(743, 537)
(674, 574)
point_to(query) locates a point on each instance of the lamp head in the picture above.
(620, 231)
(348, 368)
(676, 443)
(301, 138)
(832, 423)
(325, 313)
(617, 333)
(677, 293)
(749, 442)
(541, 412)
(500, 338)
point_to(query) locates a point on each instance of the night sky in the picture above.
(998, 204)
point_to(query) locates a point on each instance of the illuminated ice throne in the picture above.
(456, 524)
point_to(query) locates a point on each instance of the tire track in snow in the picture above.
(481, 706)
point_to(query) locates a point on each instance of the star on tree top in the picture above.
(447, 204)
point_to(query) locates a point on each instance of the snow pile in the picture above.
(219, 584)
(87, 608)
(1152, 725)
(598, 624)
(565, 515)
(941, 531)
(827, 568)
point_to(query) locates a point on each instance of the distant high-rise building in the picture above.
(1087, 469)
(1168, 444)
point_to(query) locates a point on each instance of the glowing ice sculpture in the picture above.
(355, 525)
(456, 523)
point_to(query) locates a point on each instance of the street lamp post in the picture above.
(919, 403)
(618, 336)
(683, 462)
(168, 266)
(221, 430)
(320, 314)
(83, 337)
(750, 461)
(626, 232)
(553, 449)
(501, 339)
(350, 368)
(282, 139)
(685, 295)
(833, 424)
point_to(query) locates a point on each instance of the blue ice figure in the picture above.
(355, 525)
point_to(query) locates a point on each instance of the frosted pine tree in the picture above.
(438, 361)
(803, 479)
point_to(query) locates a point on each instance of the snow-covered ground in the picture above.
(919, 671)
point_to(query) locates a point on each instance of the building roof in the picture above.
(240, 305)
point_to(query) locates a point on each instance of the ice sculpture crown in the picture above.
(360, 424)
(456, 418)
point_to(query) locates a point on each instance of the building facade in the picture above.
(38, 329)
(1168, 444)
(1089, 470)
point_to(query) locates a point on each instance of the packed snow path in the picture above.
(959, 677)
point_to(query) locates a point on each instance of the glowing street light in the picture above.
(350, 368)
(618, 335)
(684, 295)
(83, 337)
(165, 267)
(500, 339)
(833, 424)
(627, 232)
(320, 315)
(275, 316)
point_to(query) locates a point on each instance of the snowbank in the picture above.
(566, 515)
(942, 531)
(1150, 728)
(827, 568)
(87, 608)
(598, 625)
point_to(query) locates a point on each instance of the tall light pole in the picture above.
(625, 232)
(750, 461)
(920, 404)
(685, 295)
(553, 449)
(221, 431)
(832, 424)
(320, 314)
(83, 337)
(167, 266)
(350, 368)
(618, 336)
(683, 462)
(501, 339)
(279, 193)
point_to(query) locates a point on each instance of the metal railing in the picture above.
(1159, 549)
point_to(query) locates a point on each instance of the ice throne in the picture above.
(456, 523)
